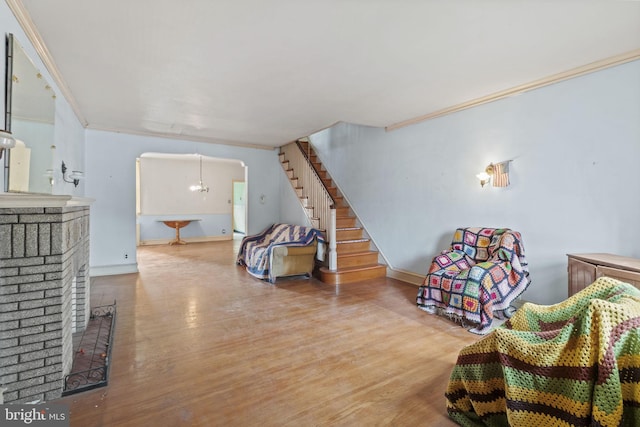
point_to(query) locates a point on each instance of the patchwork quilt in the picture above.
(478, 278)
(255, 251)
(576, 363)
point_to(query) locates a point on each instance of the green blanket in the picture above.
(576, 363)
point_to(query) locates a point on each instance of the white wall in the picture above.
(575, 176)
(111, 164)
(165, 195)
(69, 133)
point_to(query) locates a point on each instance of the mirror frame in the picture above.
(29, 112)
(8, 86)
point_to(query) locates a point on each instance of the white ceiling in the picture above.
(267, 72)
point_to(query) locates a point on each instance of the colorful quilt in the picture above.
(255, 251)
(576, 363)
(478, 278)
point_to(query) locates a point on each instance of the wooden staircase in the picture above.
(356, 260)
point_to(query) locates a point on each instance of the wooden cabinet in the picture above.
(584, 269)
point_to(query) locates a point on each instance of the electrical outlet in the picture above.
(126, 255)
(224, 231)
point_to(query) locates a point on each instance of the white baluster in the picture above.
(333, 247)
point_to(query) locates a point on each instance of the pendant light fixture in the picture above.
(201, 187)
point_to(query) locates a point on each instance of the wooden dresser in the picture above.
(584, 269)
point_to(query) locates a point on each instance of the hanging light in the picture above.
(201, 187)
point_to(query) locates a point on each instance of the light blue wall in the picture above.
(111, 165)
(69, 133)
(575, 176)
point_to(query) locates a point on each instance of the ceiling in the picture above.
(264, 73)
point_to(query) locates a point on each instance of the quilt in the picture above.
(576, 363)
(255, 251)
(478, 278)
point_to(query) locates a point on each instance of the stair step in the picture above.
(349, 233)
(333, 191)
(352, 274)
(339, 201)
(342, 211)
(357, 259)
(345, 221)
(351, 246)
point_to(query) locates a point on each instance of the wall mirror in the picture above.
(30, 116)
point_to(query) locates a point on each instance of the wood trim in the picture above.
(405, 276)
(199, 239)
(555, 78)
(21, 14)
(609, 260)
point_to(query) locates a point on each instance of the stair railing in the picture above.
(319, 206)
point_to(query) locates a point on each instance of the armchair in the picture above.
(572, 363)
(477, 278)
(280, 250)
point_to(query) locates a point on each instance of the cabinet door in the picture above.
(581, 275)
(622, 275)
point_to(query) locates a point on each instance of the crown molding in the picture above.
(546, 81)
(24, 19)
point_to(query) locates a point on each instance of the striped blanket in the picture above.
(576, 363)
(255, 251)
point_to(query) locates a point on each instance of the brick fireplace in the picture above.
(44, 292)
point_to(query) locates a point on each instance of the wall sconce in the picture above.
(6, 141)
(485, 177)
(73, 178)
(497, 173)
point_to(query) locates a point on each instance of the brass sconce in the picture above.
(498, 174)
(485, 177)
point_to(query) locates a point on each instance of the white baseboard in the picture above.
(405, 276)
(110, 270)
(199, 239)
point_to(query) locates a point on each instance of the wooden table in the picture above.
(178, 224)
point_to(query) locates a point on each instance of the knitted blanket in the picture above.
(255, 251)
(478, 278)
(574, 363)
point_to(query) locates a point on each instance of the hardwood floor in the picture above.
(199, 342)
